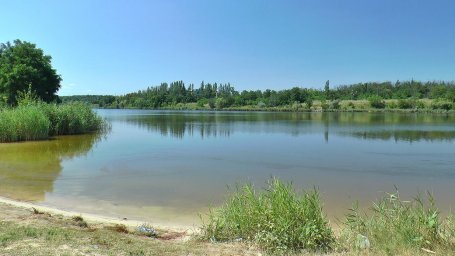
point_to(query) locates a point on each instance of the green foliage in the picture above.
(224, 96)
(37, 120)
(23, 64)
(72, 118)
(27, 98)
(376, 102)
(202, 102)
(393, 224)
(23, 123)
(324, 105)
(276, 219)
(335, 104)
(212, 103)
(407, 103)
(442, 104)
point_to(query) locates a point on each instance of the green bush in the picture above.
(202, 102)
(376, 102)
(212, 103)
(392, 104)
(407, 104)
(442, 104)
(393, 225)
(324, 105)
(276, 219)
(335, 104)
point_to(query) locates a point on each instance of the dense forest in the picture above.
(221, 96)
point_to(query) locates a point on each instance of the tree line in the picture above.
(24, 67)
(224, 95)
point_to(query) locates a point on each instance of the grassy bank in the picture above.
(276, 220)
(36, 121)
(373, 105)
(280, 220)
(27, 232)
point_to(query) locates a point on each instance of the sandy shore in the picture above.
(93, 218)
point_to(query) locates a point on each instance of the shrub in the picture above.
(393, 225)
(324, 105)
(392, 104)
(212, 103)
(202, 102)
(442, 104)
(420, 104)
(309, 103)
(276, 219)
(376, 102)
(406, 104)
(335, 104)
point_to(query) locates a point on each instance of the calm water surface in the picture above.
(163, 166)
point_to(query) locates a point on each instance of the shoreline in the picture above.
(94, 218)
(288, 110)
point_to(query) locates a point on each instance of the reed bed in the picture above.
(37, 121)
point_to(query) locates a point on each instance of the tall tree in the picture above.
(22, 64)
(327, 89)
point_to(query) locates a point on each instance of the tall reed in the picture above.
(37, 120)
(23, 123)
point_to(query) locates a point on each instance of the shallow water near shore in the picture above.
(168, 166)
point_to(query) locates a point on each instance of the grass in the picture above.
(72, 118)
(281, 221)
(278, 219)
(24, 233)
(394, 225)
(37, 121)
(23, 123)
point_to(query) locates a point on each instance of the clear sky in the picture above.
(115, 47)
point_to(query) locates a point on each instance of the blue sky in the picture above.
(115, 47)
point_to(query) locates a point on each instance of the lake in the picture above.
(168, 166)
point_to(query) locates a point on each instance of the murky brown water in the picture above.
(167, 167)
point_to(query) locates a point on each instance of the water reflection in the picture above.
(29, 169)
(406, 135)
(368, 126)
(167, 165)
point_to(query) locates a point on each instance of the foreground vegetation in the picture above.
(37, 121)
(276, 220)
(280, 220)
(414, 95)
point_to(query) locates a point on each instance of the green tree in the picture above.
(327, 89)
(23, 64)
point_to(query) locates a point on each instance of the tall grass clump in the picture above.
(23, 123)
(72, 118)
(35, 120)
(394, 226)
(277, 219)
